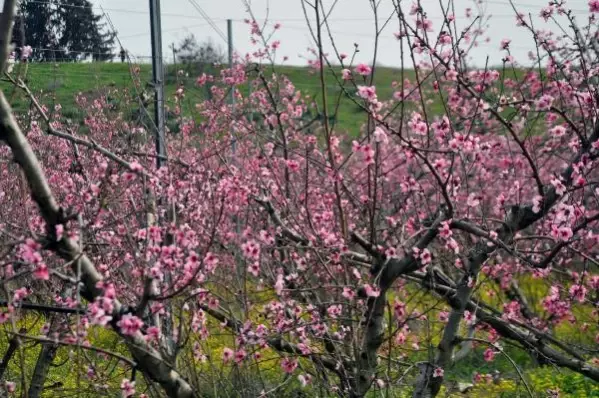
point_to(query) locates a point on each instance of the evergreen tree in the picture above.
(63, 30)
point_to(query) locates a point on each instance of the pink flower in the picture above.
(380, 136)
(560, 188)
(304, 379)
(438, 372)
(536, 203)
(135, 166)
(288, 365)
(240, 356)
(425, 257)
(371, 291)
(594, 6)
(363, 69)
(505, 44)
(443, 316)
(153, 333)
(565, 233)
(544, 103)
(425, 25)
(97, 314)
(558, 131)
(129, 324)
(469, 317)
(367, 92)
(20, 294)
(59, 229)
(473, 200)
(578, 292)
(348, 293)
(334, 311)
(451, 75)
(227, 354)
(346, 74)
(127, 388)
(489, 355)
(10, 386)
(445, 230)
(41, 272)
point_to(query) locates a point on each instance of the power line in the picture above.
(209, 20)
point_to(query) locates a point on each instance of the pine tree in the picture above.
(63, 30)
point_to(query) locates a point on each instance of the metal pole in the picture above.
(158, 81)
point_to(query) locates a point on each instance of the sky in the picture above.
(351, 21)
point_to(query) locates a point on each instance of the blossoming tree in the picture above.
(461, 220)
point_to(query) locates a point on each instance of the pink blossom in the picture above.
(565, 233)
(371, 291)
(129, 324)
(578, 292)
(558, 131)
(443, 316)
(438, 372)
(451, 75)
(544, 103)
(594, 6)
(348, 293)
(153, 333)
(227, 354)
(560, 188)
(505, 44)
(380, 136)
(469, 317)
(289, 365)
(10, 386)
(97, 314)
(20, 294)
(445, 230)
(59, 229)
(334, 311)
(135, 166)
(489, 355)
(304, 379)
(425, 257)
(424, 24)
(363, 69)
(346, 74)
(473, 200)
(41, 272)
(240, 356)
(127, 388)
(367, 93)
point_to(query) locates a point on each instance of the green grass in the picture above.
(60, 83)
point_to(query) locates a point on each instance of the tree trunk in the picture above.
(42, 366)
(44, 360)
(10, 351)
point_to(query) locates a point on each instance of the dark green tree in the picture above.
(63, 30)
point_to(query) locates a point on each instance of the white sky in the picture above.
(352, 21)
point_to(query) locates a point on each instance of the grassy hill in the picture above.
(60, 83)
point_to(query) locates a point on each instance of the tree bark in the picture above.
(42, 366)
(10, 351)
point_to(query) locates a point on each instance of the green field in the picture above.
(60, 83)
